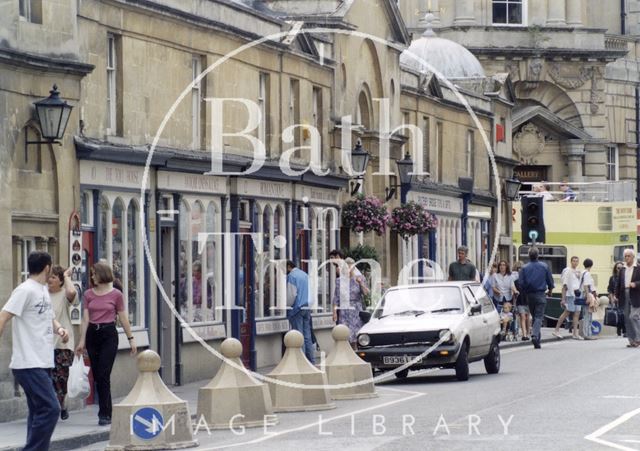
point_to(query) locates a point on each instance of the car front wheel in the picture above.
(462, 364)
(492, 360)
(402, 374)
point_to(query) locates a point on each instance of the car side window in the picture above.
(468, 295)
(482, 297)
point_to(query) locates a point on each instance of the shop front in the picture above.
(438, 246)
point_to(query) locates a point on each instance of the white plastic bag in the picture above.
(78, 383)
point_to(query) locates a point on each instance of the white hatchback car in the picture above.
(447, 325)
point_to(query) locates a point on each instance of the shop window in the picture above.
(133, 263)
(266, 268)
(184, 267)
(86, 208)
(210, 264)
(103, 238)
(197, 262)
(119, 243)
(116, 244)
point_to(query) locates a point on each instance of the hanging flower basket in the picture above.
(412, 219)
(365, 214)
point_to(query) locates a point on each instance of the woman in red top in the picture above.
(102, 304)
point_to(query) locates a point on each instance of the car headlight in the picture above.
(364, 340)
(446, 335)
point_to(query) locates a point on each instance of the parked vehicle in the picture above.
(446, 324)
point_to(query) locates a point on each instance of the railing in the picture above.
(622, 191)
(615, 43)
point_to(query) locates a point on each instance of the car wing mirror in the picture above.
(365, 316)
(475, 309)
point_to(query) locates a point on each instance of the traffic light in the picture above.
(533, 220)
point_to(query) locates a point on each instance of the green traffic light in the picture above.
(533, 235)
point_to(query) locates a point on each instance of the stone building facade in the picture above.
(140, 182)
(574, 68)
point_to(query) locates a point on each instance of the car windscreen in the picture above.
(420, 301)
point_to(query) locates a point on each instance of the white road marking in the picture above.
(317, 423)
(630, 441)
(595, 436)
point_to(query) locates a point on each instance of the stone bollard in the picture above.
(295, 368)
(151, 416)
(343, 366)
(234, 397)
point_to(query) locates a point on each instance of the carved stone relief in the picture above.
(528, 143)
(535, 69)
(570, 77)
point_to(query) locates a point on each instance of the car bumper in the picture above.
(443, 355)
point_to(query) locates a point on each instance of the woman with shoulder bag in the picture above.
(62, 294)
(350, 313)
(103, 304)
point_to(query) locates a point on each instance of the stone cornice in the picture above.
(549, 53)
(43, 63)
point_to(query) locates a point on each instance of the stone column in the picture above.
(556, 13)
(574, 13)
(573, 149)
(464, 13)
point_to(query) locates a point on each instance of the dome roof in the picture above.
(450, 58)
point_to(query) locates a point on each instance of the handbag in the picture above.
(580, 298)
(612, 316)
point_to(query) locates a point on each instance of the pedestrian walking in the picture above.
(613, 298)
(588, 290)
(33, 330)
(102, 305)
(628, 293)
(298, 302)
(351, 302)
(62, 294)
(570, 285)
(522, 306)
(462, 269)
(504, 287)
(536, 281)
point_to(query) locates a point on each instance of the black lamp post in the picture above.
(512, 189)
(405, 168)
(359, 161)
(53, 114)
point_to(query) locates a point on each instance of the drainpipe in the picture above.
(637, 156)
(623, 17)
(638, 146)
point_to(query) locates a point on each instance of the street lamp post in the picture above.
(359, 162)
(512, 189)
(53, 114)
(405, 174)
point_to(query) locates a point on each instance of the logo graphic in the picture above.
(147, 423)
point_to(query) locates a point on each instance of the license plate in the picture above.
(399, 359)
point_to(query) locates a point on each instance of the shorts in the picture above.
(571, 306)
(523, 310)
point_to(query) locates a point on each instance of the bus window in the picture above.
(554, 256)
(618, 252)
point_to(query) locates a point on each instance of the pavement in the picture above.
(82, 431)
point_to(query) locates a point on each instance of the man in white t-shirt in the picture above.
(32, 358)
(570, 283)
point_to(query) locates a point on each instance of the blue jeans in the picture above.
(537, 303)
(301, 321)
(43, 404)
